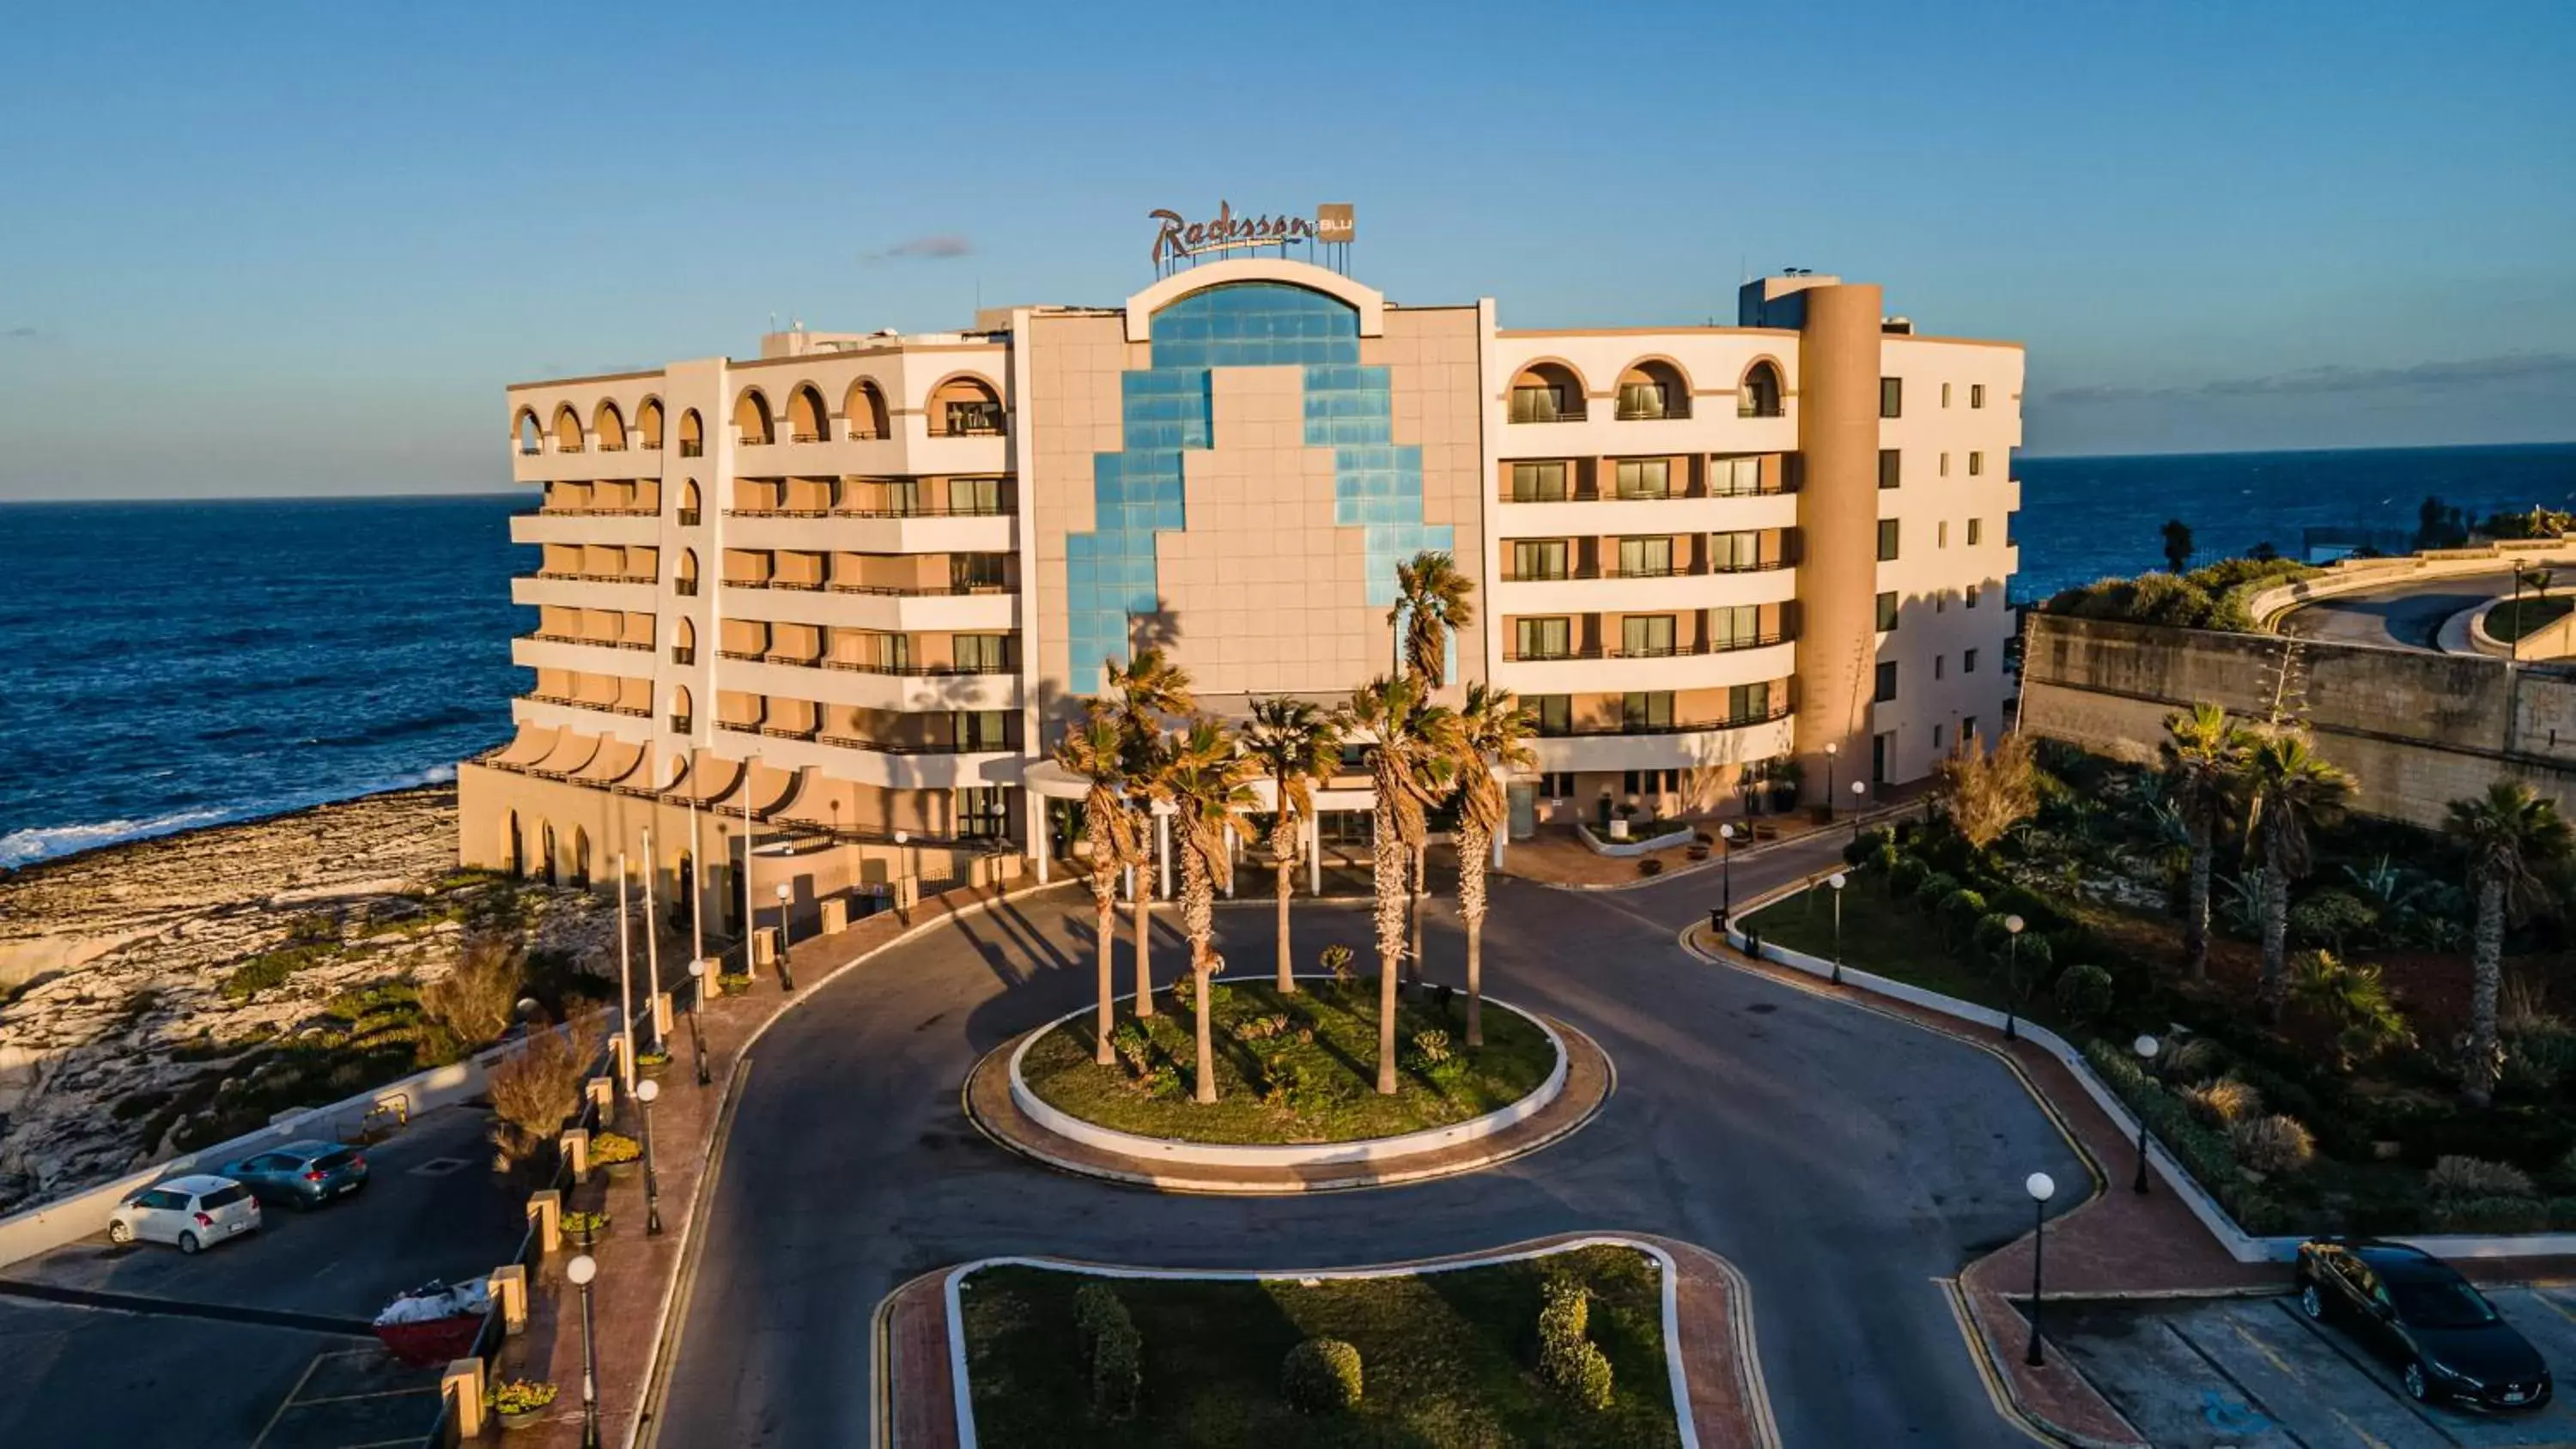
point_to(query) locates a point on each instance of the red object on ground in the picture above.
(433, 1341)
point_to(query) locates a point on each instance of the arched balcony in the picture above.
(648, 424)
(684, 715)
(568, 435)
(684, 641)
(965, 407)
(527, 434)
(753, 424)
(690, 507)
(693, 435)
(1653, 389)
(866, 409)
(1547, 392)
(807, 421)
(684, 579)
(610, 425)
(1758, 396)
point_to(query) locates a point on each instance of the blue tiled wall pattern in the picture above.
(1166, 411)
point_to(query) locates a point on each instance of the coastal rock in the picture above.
(154, 992)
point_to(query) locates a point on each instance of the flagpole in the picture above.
(652, 939)
(625, 983)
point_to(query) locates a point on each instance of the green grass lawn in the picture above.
(1286, 1087)
(2514, 618)
(1891, 939)
(1447, 1359)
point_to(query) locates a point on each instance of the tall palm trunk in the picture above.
(1387, 874)
(1144, 920)
(1198, 920)
(1287, 962)
(2195, 919)
(2486, 961)
(1414, 904)
(1474, 849)
(2276, 937)
(1106, 934)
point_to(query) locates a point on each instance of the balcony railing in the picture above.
(916, 747)
(748, 656)
(550, 510)
(612, 447)
(911, 671)
(1773, 715)
(637, 711)
(686, 588)
(1673, 651)
(542, 637)
(1595, 495)
(932, 509)
(1673, 571)
(1646, 413)
(693, 448)
(791, 732)
(762, 511)
(573, 578)
(924, 591)
(804, 437)
(690, 518)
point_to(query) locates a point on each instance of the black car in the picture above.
(2413, 1310)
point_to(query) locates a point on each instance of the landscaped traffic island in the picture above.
(1294, 1068)
(1566, 1350)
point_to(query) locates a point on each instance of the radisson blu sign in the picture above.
(1179, 237)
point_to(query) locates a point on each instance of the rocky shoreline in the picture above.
(158, 991)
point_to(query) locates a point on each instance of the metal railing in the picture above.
(915, 747)
(1675, 651)
(910, 671)
(565, 578)
(633, 711)
(539, 636)
(693, 448)
(1773, 715)
(932, 509)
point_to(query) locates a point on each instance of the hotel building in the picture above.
(850, 590)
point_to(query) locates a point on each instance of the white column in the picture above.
(1163, 853)
(625, 986)
(1315, 853)
(1039, 845)
(1499, 836)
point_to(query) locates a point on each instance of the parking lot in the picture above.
(2255, 1373)
(261, 1342)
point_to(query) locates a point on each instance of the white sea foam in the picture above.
(26, 847)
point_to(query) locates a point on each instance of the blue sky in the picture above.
(291, 248)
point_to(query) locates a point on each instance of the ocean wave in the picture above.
(26, 847)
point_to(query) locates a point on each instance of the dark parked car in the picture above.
(2416, 1312)
(301, 1174)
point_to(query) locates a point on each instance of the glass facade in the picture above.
(1167, 409)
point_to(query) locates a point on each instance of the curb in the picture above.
(1715, 860)
(2004, 1393)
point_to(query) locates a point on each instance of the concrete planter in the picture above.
(1617, 845)
(528, 1420)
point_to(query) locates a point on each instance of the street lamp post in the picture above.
(1831, 749)
(698, 989)
(2041, 1188)
(581, 1270)
(2012, 973)
(2145, 1046)
(645, 1093)
(1860, 804)
(1837, 881)
(1726, 867)
(786, 978)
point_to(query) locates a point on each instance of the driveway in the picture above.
(2255, 1373)
(262, 1341)
(2405, 616)
(1843, 1160)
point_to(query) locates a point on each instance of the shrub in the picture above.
(2467, 1177)
(2223, 1103)
(1960, 911)
(1337, 959)
(1991, 933)
(1906, 876)
(2489, 1215)
(610, 1149)
(519, 1396)
(1320, 1376)
(475, 1000)
(1650, 866)
(536, 1087)
(1884, 858)
(1134, 1047)
(1430, 1048)
(1567, 1359)
(2537, 1060)
(2083, 992)
(1261, 1028)
(2272, 1144)
(2331, 917)
(1111, 1348)
(2198, 1060)
(1934, 889)
(1587, 1377)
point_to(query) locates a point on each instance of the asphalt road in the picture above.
(2405, 616)
(178, 1356)
(1843, 1160)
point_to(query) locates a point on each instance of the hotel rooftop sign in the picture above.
(1179, 238)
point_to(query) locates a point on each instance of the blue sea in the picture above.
(180, 664)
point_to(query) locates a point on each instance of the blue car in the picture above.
(300, 1174)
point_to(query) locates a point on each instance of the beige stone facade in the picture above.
(857, 583)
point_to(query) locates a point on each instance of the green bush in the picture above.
(1112, 1349)
(2331, 917)
(1865, 846)
(1935, 888)
(2083, 993)
(2536, 1061)
(2272, 1144)
(2223, 1103)
(1320, 1376)
(1960, 911)
(1566, 1358)
(2467, 1177)
(1904, 877)
(2489, 1215)
(1587, 1377)
(1991, 933)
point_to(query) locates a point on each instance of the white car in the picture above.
(193, 1212)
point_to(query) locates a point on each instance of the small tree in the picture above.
(2511, 834)
(2177, 545)
(535, 1088)
(475, 1000)
(2291, 793)
(2204, 755)
(1986, 793)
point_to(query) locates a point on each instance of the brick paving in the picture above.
(1557, 856)
(1712, 1309)
(1588, 1083)
(638, 1275)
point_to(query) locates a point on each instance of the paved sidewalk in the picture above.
(1713, 1309)
(637, 1296)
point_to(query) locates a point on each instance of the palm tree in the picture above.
(1296, 744)
(2290, 791)
(1146, 689)
(1491, 732)
(1093, 750)
(2204, 755)
(2511, 834)
(1411, 743)
(1202, 780)
(1433, 599)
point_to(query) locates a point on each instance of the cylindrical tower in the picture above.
(1838, 362)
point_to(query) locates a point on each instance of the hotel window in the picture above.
(1734, 628)
(1937, 742)
(1544, 402)
(1968, 661)
(1886, 691)
(1734, 477)
(1976, 464)
(983, 730)
(1646, 636)
(1557, 784)
(1940, 601)
(1967, 729)
(903, 497)
(1945, 465)
(1887, 611)
(983, 812)
(1645, 478)
(1733, 552)
(976, 573)
(1937, 661)
(1976, 394)
(1538, 482)
(1554, 712)
(1645, 558)
(1976, 531)
(1972, 596)
(1538, 558)
(1645, 398)
(1887, 539)
(1941, 534)
(1747, 704)
(1945, 394)
(1545, 638)
(1891, 397)
(975, 497)
(981, 654)
(1890, 467)
(1641, 710)
(973, 417)
(894, 653)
